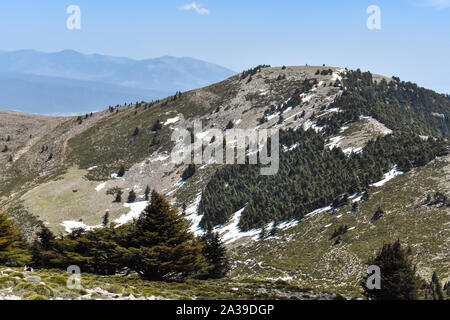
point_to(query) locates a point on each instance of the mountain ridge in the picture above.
(52, 83)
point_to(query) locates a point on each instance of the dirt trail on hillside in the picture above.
(77, 129)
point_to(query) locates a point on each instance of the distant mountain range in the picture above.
(69, 82)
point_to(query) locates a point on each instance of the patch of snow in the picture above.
(161, 158)
(308, 124)
(387, 176)
(171, 192)
(337, 75)
(231, 231)
(270, 117)
(307, 98)
(238, 121)
(287, 110)
(286, 149)
(335, 142)
(193, 207)
(313, 213)
(263, 92)
(317, 128)
(92, 168)
(334, 110)
(331, 110)
(349, 151)
(70, 225)
(136, 209)
(328, 225)
(195, 228)
(193, 217)
(352, 228)
(287, 224)
(100, 186)
(172, 120)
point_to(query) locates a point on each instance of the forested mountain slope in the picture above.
(350, 141)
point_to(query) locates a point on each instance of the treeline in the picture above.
(310, 176)
(251, 72)
(397, 104)
(157, 246)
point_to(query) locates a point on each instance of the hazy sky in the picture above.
(413, 43)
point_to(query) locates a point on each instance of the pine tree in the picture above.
(157, 126)
(13, 250)
(118, 198)
(101, 252)
(161, 246)
(398, 275)
(263, 233)
(274, 230)
(121, 172)
(106, 219)
(40, 248)
(447, 288)
(215, 254)
(46, 237)
(378, 214)
(280, 120)
(189, 172)
(435, 288)
(365, 196)
(147, 193)
(131, 196)
(136, 132)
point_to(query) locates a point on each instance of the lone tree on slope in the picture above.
(398, 275)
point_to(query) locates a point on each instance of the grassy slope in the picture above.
(71, 197)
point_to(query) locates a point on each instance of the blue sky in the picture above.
(413, 43)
